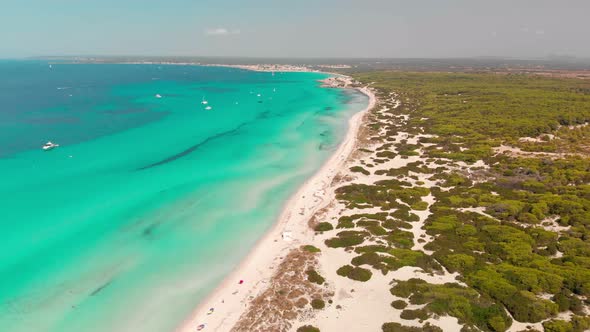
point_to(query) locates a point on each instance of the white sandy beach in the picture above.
(354, 298)
(316, 198)
(230, 298)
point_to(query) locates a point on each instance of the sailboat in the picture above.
(204, 102)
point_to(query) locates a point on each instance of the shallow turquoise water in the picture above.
(149, 202)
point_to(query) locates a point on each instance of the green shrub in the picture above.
(359, 169)
(345, 223)
(344, 270)
(397, 327)
(323, 227)
(369, 258)
(580, 323)
(371, 248)
(308, 328)
(419, 314)
(399, 304)
(452, 299)
(393, 224)
(558, 326)
(376, 230)
(524, 306)
(420, 206)
(310, 248)
(405, 215)
(346, 239)
(315, 277)
(566, 300)
(401, 239)
(318, 304)
(407, 257)
(354, 273)
(458, 262)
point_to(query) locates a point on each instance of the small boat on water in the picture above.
(204, 102)
(50, 145)
(208, 108)
(158, 96)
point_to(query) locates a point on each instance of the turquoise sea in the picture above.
(148, 202)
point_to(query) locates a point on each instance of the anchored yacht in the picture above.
(49, 145)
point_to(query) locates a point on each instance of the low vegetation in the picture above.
(308, 328)
(323, 227)
(318, 304)
(516, 229)
(315, 277)
(354, 273)
(399, 304)
(312, 249)
(359, 169)
(397, 327)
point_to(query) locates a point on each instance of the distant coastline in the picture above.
(270, 67)
(549, 66)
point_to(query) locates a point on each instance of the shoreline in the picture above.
(258, 68)
(267, 68)
(230, 298)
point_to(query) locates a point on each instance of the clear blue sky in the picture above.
(298, 28)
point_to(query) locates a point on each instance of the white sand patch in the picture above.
(540, 139)
(578, 126)
(351, 295)
(418, 226)
(550, 224)
(409, 272)
(558, 254)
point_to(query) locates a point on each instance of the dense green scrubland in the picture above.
(482, 110)
(517, 230)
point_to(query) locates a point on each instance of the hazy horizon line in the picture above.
(498, 57)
